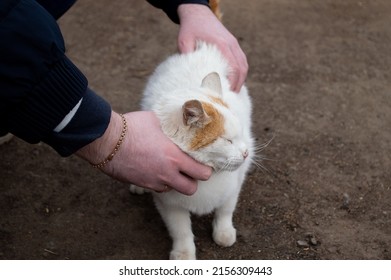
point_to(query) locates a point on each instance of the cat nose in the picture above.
(245, 154)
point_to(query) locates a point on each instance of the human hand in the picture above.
(146, 158)
(198, 23)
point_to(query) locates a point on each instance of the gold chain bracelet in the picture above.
(117, 146)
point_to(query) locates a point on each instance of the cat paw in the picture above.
(182, 255)
(137, 190)
(225, 237)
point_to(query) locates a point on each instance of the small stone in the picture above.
(309, 234)
(313, 241)
(311, 238)
(302, 244)
(345, 201)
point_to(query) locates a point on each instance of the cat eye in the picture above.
(229, 141)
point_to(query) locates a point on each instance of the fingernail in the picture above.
(208, 173)
(191, 190)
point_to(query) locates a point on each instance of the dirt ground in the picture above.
(320, 78)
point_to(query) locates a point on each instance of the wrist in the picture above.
(190, 10)
(98, 150)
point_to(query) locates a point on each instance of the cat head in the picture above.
(210, 132)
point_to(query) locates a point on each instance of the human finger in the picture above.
(186, 44)
(234, 73)
(242, 64)
(194, 169)
(164, 189)
(239, 66)
(184, 184)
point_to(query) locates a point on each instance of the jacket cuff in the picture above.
(56, 8)
(171, 7)
(47, 104)
(89, 123)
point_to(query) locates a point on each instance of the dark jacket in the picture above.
(39, 85)
(170, 6)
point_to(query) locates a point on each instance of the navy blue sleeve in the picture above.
(39, 84)
(92, 119)
(170, 7)
(56, 7)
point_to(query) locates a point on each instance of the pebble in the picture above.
(309, 234)
(345, 201)
(313, 241)
(310, 240)
(302, 244)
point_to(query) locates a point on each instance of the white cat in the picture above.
(191, 96)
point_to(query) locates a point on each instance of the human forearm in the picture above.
(39, 84)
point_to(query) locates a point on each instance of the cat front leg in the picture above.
(178, 223)
(224, 233)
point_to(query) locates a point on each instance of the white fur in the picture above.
(175, 81)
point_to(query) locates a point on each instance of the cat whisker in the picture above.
(261, 147)
(228, 164)
(262, 158)
(260, 166)
(222, 168)
(258, 158)
(219, 170)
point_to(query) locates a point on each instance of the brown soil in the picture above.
(320, 80)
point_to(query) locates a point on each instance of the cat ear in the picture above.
(194, 114)
(212, 81)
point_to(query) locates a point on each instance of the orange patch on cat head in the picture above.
(213, 129)
(218, 100)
